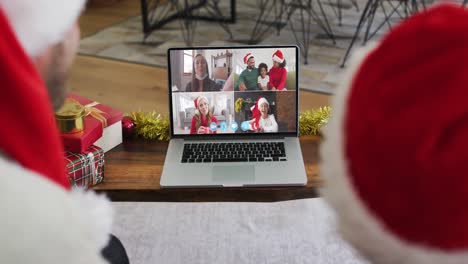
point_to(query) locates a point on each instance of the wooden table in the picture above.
(133, 170)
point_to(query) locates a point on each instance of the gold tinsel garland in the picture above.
(152, 126)
(312, 120)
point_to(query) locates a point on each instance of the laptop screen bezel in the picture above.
(232, 135)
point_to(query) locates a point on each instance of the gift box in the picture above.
(102, 128)
(85, 169)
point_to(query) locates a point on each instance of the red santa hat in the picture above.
(197, 102)
(395, 156)
(278, 56)
(247, 57)
(256, 114)
(41, 23)
(42, 214)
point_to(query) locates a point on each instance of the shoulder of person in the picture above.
(188, 87)
(44, 223)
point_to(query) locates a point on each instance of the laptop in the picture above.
(233, 117)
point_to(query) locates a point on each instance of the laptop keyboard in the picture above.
(233, 152)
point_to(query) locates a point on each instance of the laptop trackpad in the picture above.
(237, 175)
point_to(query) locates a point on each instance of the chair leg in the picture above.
(358, 29)
(373, 10)
(328, 29)
(355, 3)
(212, 7)
(385, 21)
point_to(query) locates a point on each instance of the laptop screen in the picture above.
(235, 90)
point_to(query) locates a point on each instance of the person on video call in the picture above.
(248, 77)
(43, 219)
(262, 121)
(278, 73)
(263, 78)
(202, 118)
(200, 80)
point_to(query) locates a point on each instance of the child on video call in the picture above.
(262, 121)
(263, 78)
(203, 117)
(278, 72)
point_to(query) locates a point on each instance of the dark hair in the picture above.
(283, 64)
(262, 65)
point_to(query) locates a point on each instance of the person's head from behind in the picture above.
(262, 69)
(50, 38)
(392, 164)
(200, 67)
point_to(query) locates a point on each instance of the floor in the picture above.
(129, 86)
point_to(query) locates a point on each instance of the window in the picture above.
(188, 58)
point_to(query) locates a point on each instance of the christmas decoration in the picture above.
(312, 120)
(128, 127)
(85, 169)
(154, 126)
(151, 125)
(239, 103)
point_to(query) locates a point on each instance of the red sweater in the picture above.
(277, 78)
(204, 122)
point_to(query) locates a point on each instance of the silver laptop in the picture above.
(234, 117)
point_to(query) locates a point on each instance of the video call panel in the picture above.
(219, 91)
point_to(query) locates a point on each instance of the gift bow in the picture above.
(93, 111)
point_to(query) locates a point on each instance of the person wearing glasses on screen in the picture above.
(200, 81)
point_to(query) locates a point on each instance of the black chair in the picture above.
(366, 20)
(308, 13)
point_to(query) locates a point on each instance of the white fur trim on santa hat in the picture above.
(44, 223)
(355, 222)
(41, 23)
(261, 101)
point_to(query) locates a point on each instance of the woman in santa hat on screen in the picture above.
(203, 121)
(395, 156)
(262, 121)
(278, 72)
